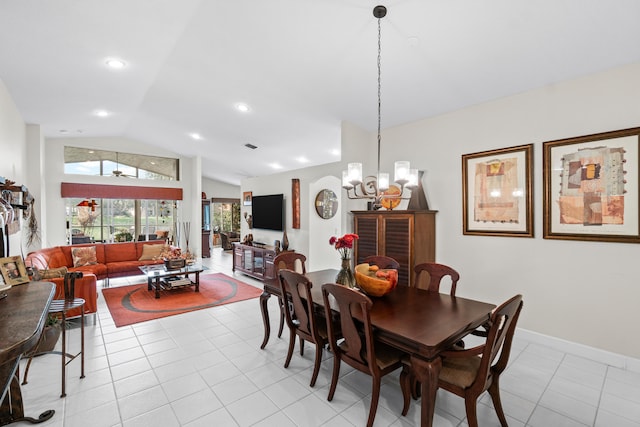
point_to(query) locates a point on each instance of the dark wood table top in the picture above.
(22, 317)
(417, 321)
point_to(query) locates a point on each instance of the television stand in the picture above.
(254, 260)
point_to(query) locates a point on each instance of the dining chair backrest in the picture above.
(382, 261)
(298, 290)
(502, 326)
(436, 273)
(357, 348)
(291, 261)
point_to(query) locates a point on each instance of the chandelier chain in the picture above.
(379, 92)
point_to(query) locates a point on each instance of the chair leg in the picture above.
(405, 386)
(292, 343)
(334, 376)
(301, 347)
(281, 327)
(472, 417)
(494, 392)
(375, 396)
(316, 366)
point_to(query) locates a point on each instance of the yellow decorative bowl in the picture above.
(375, 281)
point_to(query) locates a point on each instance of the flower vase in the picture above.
(345, 275)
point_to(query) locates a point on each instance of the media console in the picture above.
(254, 261)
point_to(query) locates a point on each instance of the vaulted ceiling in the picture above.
(302, 66)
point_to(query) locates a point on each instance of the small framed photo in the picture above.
(497, 196)
(591, 189)
(13, 270)
(246, 198)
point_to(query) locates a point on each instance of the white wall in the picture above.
(586, 292)
(13, 149)
(220, 189)
(583, 292)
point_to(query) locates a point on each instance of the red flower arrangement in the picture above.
(343, 244)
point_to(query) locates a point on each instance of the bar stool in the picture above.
(61, 307)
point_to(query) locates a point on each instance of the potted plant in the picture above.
(50, 336)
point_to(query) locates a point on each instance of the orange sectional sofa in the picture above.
(111, 260)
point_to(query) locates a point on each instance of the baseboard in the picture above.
(592, 353)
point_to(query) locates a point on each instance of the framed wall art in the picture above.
(497, 196)
(246, 198)
(591, 187)
(13, 270)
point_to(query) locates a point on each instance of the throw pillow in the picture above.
(151, 252)
(52, 273)
(85, 255)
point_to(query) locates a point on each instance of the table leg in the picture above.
(11, 408)
(264, 298)
(427, 372)
(157, 287)
(197, 281)
(149, 279)
(82, 343)
(64, 354)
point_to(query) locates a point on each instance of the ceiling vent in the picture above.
(253, 147)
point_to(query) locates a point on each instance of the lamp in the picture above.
(373, 187)
(86, 203)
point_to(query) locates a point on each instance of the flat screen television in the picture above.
(268, 212)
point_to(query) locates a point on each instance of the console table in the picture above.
(22, 317)
(254, 261)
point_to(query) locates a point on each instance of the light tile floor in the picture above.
(206, 368)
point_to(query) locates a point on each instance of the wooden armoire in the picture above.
(407, 236)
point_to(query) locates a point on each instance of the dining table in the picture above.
(421, 323)
(23, 311)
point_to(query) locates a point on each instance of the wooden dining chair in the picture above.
(436, 273)
(296, 288)
(382, 261)
(291, 261)
(358, 348)
(469, 373)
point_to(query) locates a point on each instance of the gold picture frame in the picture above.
(497, 192)
(13, 270)
(591, 188)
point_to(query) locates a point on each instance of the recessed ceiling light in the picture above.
(195, 136)
(242, 107)
(302, 159)
(115, 63)
(275, 166)
(102, 113)
(335, 152)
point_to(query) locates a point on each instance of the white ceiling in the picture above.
(302, 65)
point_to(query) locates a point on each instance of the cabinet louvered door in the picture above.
(407, 236)
(367, 230)
(396, 243)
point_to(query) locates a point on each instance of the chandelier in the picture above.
(376, 187)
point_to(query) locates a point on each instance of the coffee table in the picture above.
(158, 276)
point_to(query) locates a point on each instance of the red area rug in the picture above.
(134, 303)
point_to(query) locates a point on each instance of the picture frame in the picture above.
(13, 270)
(246, 198)
(497, 192)
(591, 189)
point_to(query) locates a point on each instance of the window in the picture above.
(85, 161)
(118, 220)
